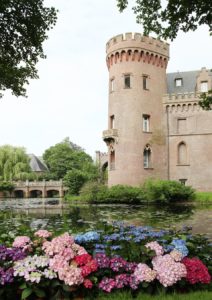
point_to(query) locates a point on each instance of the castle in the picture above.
(156, 129)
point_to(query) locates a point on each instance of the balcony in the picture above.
(110, 135)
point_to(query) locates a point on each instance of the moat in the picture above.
(19, 215)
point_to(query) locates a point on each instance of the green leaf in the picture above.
(145, 284)
(26, 293)
(40, 293)
(23, 286)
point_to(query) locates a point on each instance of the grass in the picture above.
(203, 197)
(127, 296)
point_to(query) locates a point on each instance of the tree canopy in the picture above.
(67, 156)
(167, 19)
(23, 29)
(206, 100)
(14, 163)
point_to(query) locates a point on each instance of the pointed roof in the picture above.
(36, 164)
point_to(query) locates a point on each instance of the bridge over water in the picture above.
(34, 189)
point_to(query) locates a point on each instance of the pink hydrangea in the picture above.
(58, 244)
(22, 242)
(43, 233)
(176, 255)
(144, 273)
(156, 247)
(71, 275)
(168, 271)
(57, 263)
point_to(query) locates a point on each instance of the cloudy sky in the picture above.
(70, 98)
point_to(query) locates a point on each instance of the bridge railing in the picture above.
(19, 184)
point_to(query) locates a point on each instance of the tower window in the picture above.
(112, 160)
(127, 81)
(112, 122)
(181, 125)
(145, 82)
(146, 123)
(182, 154)
(112, 85)
(204, 87)
(178, 82)
(183, 181)
(147, 157)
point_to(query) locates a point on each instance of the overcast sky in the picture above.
(70, 98)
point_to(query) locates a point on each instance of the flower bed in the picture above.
(114, 258)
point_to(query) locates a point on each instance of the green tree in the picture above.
(74, 180)
(206, 100)
(23, 29)
(167, 19)
(66, 156)
(14, 163)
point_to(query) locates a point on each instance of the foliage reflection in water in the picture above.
(21, 216)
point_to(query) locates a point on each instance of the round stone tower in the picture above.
(136, 136)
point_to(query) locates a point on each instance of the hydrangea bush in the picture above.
(117, 257)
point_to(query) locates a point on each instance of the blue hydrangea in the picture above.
(115, 247)
(180, 245)
(89, 236)
(100, 246)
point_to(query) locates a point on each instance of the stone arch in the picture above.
(116, 57)
(51, 193)
(35, 193)
(136, 55)
(111, 59)
(123, 55)
(182, 153)
(19, 193)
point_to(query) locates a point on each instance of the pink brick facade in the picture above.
(153, 132)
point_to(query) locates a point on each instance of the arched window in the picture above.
(182, 153)
(147, 157)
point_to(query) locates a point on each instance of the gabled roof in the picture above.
(36, 164)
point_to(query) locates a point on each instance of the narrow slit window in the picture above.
(146, 123)
(145, 82)
(181, 125)
(182, 154)
(112, 160)
(127, 84)
(112, 85)
(112, 122)
(147, 157)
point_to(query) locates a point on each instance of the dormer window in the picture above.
(204, 86)
(178, 82)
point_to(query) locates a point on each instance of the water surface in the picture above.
(18, 215)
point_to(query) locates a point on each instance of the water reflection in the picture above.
(20, 215)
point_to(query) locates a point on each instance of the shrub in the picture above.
(74, 180)
(167, 191)
(93, 191)
(98, 193)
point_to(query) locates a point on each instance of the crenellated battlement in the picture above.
(181, 97)
(136, 47)
(135, 37)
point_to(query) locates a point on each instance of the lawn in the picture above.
(127, 296)
(203, 196)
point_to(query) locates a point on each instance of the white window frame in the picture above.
(204, 86)
(146, 123)
(178, 82)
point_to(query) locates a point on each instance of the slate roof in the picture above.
(188, 85)
(189, 82)
(36, 164)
